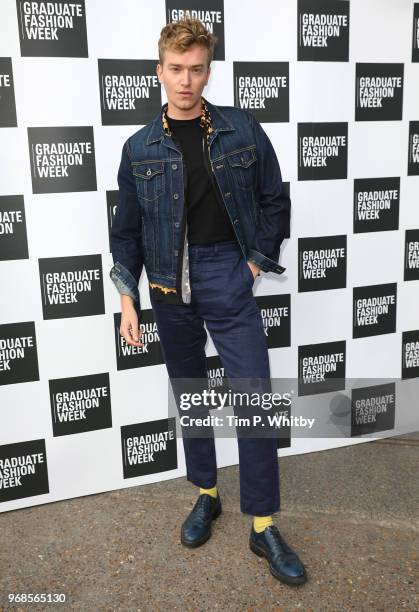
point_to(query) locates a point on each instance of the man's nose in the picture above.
(186, 77)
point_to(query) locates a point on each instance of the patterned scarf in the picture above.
(205, 122)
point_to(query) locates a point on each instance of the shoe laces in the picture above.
(203, 505)
(277, 542)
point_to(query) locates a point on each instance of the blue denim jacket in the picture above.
(149, 227)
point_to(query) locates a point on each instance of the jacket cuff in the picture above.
(265, 263)
(125, 283)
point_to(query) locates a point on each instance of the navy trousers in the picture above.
(222, 297)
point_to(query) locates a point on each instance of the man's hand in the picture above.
(130, 329)
(254, 268)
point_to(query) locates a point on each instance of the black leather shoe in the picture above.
(284, 564)
(196, 529)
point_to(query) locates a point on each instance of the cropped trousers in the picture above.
(222, 297)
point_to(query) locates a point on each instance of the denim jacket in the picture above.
(149, 227)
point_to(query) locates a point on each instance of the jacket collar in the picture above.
(212, 121)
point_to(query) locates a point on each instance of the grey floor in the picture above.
(350, 513)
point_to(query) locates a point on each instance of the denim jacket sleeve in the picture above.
(274, 204)
(126, 244)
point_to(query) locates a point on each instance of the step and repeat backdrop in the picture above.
(336, 86)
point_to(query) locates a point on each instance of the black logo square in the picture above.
(410, 354)
(374, 310)
(19, 354)
(128, 356)
(373, 409)
(62, 159)
(149, 448)
(379, 92)
(276, 316)
(7, 94)
(13, 235)
(415, 36)
(212, 16)
(52, 29)
(376, 204)
(130, 91)
(322, 263)
(23, 470)
(322, 151)
(411, 255)
(321, 367)
(323, 30)
(80, 404)
(71, 286)
(263, 88)
(413, 155)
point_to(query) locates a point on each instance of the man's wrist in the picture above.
(126, 300)
(254, 267)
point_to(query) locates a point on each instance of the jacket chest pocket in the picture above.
(150, 179)
(242, 166)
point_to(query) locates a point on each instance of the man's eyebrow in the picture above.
(181, 65)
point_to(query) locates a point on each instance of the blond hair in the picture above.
(179, 36)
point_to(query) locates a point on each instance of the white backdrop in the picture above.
(64, 91)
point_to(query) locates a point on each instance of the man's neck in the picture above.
(175, 113)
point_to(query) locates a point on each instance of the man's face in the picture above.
(184, 76)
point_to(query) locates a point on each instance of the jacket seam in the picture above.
(128, 149)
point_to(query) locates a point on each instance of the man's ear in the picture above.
(158, 70)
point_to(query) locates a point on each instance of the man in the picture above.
(202, 208)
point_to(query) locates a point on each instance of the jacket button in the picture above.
(174, 166)
(236, 220)
(227, 194)
(175, 196)
(177, 223)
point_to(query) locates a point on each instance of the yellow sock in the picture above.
(212, 492)
(261, 522)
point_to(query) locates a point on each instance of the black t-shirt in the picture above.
(207, 217)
